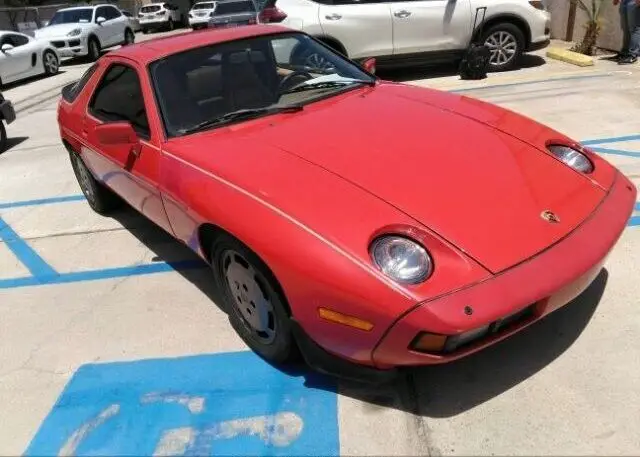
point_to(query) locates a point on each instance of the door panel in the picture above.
(365, 29)
(17, 61)
(431, 25)
(103, 31)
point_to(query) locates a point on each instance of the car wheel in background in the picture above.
(170, 24)
(100, 198)
(93, 46)
(129, 37)
(303, 56)
(50, 62)
(252, 298)
(506, 44)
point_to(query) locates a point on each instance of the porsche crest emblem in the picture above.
(550, 217)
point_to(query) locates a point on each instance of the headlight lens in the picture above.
(575, 159)
(402, 259)
(75, 32)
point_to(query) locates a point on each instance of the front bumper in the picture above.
(542, 284)
(199, 20)
(69, 47)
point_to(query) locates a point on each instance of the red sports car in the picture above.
(366, 224)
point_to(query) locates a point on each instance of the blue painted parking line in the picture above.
(36, 265)
(42, 201)
(615, 139)
(618, 152)
(206, 405)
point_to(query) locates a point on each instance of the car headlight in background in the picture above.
(401, 259)
(75, 32)
(575, 159)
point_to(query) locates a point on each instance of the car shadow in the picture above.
(24, 82)
(444, 70)
(435, 391)
(441, 391)
(12, 142)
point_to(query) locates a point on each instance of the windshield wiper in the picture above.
(327, 85)
(241, 114)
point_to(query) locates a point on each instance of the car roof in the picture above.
(84, 7)
(148, 51)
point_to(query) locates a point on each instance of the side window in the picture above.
(71, 91)
(101, 12)
(118, 97)
(113, 13)
(17, 40)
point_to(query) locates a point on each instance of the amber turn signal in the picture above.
(429, 342)
(334, 316)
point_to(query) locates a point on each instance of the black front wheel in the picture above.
(94, 49)
(253, 300)
(100, 198)
(506, 44)
(3, 137)
(129, 37)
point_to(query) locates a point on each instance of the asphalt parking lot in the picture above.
(110, 342)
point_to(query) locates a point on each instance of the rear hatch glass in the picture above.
(235, 7)
(203, 6)
(150, 9)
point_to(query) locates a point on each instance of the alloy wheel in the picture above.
(503, 46)
(51, 63)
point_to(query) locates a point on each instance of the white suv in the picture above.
(199, 14)
(164, 15)
(86, 30)
(408, 32)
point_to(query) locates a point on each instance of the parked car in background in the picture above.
(159, 16)
(7, 115)
(22, 56)
(200, 13)
(134, 23)
(420, 31)
(86, 30)
(233, 13)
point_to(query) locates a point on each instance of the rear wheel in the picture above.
(170, 25)
(50, 63)
(145, 30)
(101, 199)
(129, 37)
(251, 296)
(506, 43)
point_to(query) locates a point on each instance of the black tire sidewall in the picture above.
(93, 57)
(101, 199)
(3, 137)
(520, 42)
(282, 348)
(46, 69)
(128, 33)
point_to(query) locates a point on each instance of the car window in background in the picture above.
(203, 6)
(150, 9)
(118, 97)
(112, 13)
(232, 7)
(14, 40)
(72, 16)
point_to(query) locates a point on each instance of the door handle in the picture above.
(333, 17)
(402, 13)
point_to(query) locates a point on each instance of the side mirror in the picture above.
(116, 133)
(100, 20)
(370, 65)
(6, 47)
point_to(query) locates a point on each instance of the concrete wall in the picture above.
(610, 36)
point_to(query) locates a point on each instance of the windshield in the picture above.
(203, 6)
(72, 16)
(235, 7)
(150, 9)
(197, 86)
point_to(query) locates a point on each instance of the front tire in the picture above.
(251, 296)
(3, 137)
(100, 198)
(170, 25)
(506, 43)
(50, 62)
(93, 51)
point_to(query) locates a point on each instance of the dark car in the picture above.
(233, 13)
(8, 115)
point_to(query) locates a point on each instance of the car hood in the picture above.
(479, 187)
(59, 29)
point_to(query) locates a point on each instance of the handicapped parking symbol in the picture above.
(223, 404)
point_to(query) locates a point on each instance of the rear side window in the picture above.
(203, 6)
(118, 97)
(150, 9)
(71, 91)
(235, 7)
(112, 12)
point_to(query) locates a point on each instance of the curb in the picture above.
(571, 57)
